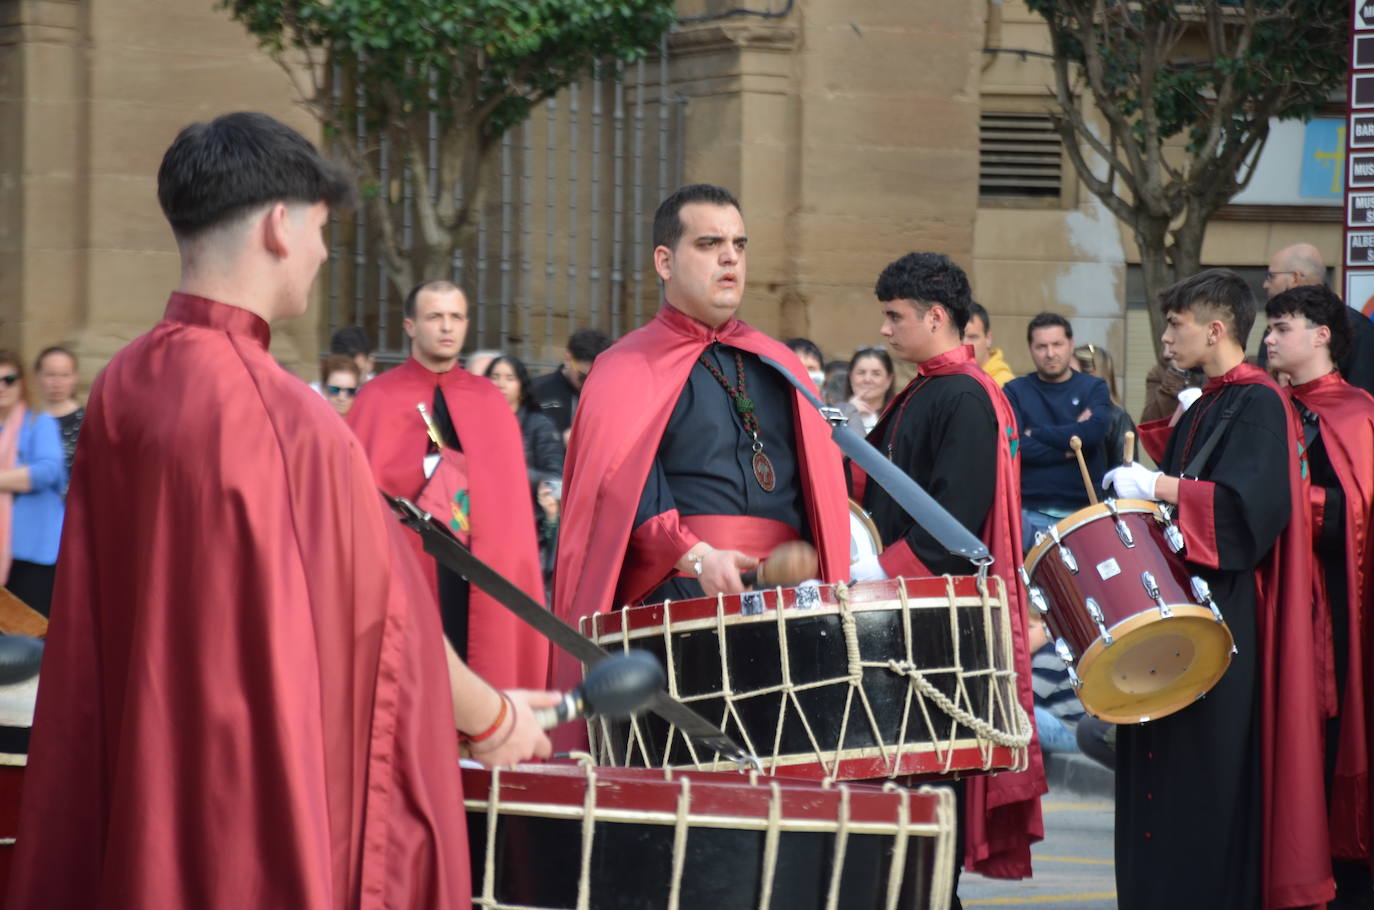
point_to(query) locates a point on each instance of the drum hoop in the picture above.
(1086, 516)
(721, 618)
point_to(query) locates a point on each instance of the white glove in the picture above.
(1187, 396)
(866, 569)
(1132, 481)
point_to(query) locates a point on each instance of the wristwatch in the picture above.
(695, 560)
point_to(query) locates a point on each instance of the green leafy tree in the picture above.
(469, 69)
(1185, 92)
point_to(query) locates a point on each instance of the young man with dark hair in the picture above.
(1308, 334)
(559, 391)
(691, 457)
(474, 421)
(1220, 805)
(952, 430)
(1052, 405)
(978, 333)
(244, 701)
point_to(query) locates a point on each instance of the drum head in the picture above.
(1154, 666)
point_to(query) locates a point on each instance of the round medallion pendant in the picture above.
(763, 472)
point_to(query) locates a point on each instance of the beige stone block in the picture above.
(129, 287)
(53, 73)
(124, 214)
(197, 25)
(929, 65)
(174, 77)
(895, 185)
(834, 121)
(53, 213)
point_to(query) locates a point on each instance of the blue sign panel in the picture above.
(1323, 160)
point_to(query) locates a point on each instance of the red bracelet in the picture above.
(489, 732)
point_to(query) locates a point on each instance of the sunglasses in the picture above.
(9, 379)
(333, 390)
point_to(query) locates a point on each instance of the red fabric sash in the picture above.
(1295, 857)
(1001, 812)
(1346, 417)
(502, 649)
(624, 408)
(751, 536)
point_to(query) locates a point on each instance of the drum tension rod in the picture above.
(1065, 553)
(1065, 653)
(1172, 535)
(1122, 530)
(1095, 611)
(1203, 592)
(1152, 589)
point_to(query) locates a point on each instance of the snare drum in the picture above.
(572, 836)
(1142, 638)
(877, 679)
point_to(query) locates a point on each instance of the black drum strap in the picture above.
(440, 543)
(1194, 468)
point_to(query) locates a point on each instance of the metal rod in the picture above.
(360, 214)
(638, 250)
(573, 111)
(507, 216)
(384, 172)
(526, 232)
(594, 300)
(335, 232)
(617, 301)
(550, 220)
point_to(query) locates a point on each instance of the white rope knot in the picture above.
(850, 627)
(1019, 739)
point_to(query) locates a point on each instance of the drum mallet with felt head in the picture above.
(791, 563)
(1077, 445)
(617, 687)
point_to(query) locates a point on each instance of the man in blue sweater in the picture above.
(1053, 404)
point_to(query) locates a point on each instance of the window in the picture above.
(1020, 157)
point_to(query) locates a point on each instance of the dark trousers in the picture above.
(31, 582)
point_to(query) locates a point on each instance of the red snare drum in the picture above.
(573, 836)
(1142, 637)
(877, 679)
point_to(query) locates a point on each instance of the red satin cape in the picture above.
(623, 411)
(1293, 627)
(1346, 415)
(1002, 815)
(501, 649)
(240, 704)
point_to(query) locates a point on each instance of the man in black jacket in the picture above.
(557, 392)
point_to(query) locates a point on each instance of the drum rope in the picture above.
(942, 875)
(489, 865)
(841, 844)
(896, 871)
(770, 843)
(584, 877)
(680, 824)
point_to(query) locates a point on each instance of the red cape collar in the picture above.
(1240, 374)
(212, 314)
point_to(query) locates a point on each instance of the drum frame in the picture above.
(684, 800)
(944, 752)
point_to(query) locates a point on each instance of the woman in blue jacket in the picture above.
(32, 477)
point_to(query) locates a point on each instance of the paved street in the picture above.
(1073, 864)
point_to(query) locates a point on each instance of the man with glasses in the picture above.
(1301, 264)
(482, 437)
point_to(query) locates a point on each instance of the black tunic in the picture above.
(1189, 812)
(945, 437)
(704, 464)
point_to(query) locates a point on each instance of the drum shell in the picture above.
(16, 718)
(1091, 536)
(815, 641)
(635, 815)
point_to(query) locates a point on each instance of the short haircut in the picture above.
(11, 359)
(667, 220)
(441, 285)
(800, 346)
(52, 349)
(339, 363)
(1044, 321)
(927, 278)
(585, 344)
(522, 375)
(218, 171)
(351, 340)
(977, 309)
(1320, 306)
(1220, 291)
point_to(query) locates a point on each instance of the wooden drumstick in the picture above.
(1128, 448)
(1077, 445)
(789, 564)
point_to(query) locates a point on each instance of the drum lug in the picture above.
(1152, 589)
(1065, 553)
(1025, 576)
(1065, 653)
(751, 603)
(1095, 611)
(1172, 535)
(1204, 595)
(1038, 601)
(1122, 530)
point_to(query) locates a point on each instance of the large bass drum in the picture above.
(851, 682)
(569, 837)
(1141, 636)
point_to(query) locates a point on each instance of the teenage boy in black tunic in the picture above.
(1220, 805)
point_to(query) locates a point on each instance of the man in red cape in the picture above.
(663, 493)
(1220, 805)
(472, 418)
(1308, 334)
(241, 703)
(952, 430)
